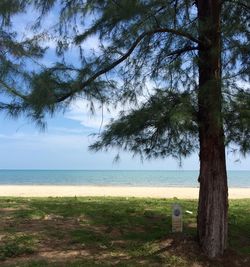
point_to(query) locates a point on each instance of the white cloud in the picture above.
(92, 43)
(38, 140)
(66, 130)
(79, 111)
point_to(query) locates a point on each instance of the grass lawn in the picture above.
(111, 232)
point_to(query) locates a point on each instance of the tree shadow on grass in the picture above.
(103, 232)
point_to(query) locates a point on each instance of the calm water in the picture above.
(125, 178)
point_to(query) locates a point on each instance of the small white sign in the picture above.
(177, 224)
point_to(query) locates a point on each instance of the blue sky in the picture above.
(64, 144)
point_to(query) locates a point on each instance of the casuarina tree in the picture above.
(181, 69)
(17, 54)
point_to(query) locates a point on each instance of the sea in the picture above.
(178, 178)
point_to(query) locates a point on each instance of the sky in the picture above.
(64, 143)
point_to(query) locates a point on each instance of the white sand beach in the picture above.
(119, 191)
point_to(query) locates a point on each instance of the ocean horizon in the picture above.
(148, 178)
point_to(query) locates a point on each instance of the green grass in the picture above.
(110, 232)
(15, 245)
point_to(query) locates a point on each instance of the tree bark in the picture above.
(213, 195)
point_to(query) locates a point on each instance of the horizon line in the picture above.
(34, 169)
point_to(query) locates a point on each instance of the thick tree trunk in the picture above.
(213, 196)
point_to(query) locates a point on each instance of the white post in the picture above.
(177, 223)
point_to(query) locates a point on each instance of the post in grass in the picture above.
(177, 222)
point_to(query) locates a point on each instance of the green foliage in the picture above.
(237, 120)
(17, 53)
(143, 45)
(9, 8)
(165, 125)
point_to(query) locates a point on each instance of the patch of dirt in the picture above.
(51, 256)
(9, 209)
(114, 233)
(20, 207)
(34, 225)
(2, 237)
(119, 243)
(63, 255)
(55, 242)
(166, 243)
(82, 219)
(187, 248)
(52, 217)
(113, 255)
(232, 259)
(192, 225)
(69, 255)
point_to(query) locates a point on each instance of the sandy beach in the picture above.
(119, 191)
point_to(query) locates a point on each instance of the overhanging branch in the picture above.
(12, 90)
(129, 52)
(115, 63)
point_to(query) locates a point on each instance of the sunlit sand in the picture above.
(119, 191)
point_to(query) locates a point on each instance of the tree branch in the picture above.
(129, 52)
(176, 32)
(239, 3)
(12, 91)
(182, 50)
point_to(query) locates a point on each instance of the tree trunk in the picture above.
(213, 196)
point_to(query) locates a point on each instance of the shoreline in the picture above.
(110, 191)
